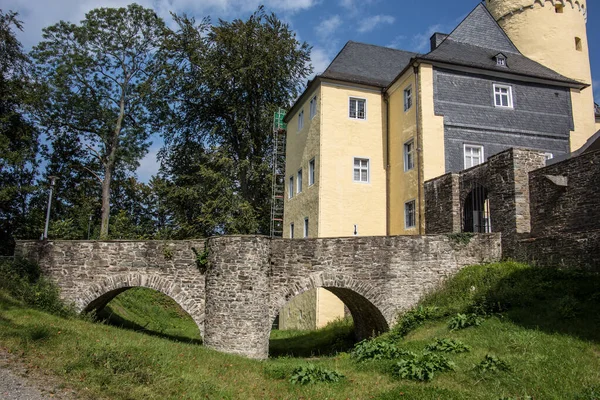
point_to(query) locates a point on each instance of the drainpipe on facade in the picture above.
(419, 150)
(386, 99)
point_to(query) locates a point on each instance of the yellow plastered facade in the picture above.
(557, 40)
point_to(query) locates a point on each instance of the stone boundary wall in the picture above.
(91, 273)
(565, 212)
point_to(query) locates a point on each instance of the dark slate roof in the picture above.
(597, 110)
(476, 42)
(368, 64)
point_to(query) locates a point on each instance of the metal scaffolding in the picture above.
(278, 191)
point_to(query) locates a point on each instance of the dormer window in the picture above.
(500, 60)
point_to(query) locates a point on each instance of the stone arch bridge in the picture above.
(235, 296)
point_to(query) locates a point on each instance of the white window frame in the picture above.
(408, 98)
(291, 187)
(291, 230)
(509, 96)
(360, 169)
(299, 181)
(548, 156)
(473, 146)
(313, 107)
(357, 100)
(301, 120)
(408, 154)
(311, 172)
(406, 216)
(305, 227)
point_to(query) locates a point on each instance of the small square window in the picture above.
(313, 107)
(410, 219)
(311, 172)
(306, 227)
(361, 170)
(503, 96)
(291, 188)
(559, 8)
(473, 155)
(409, 155)
(292, 230)
(408, 98)
(357, 108)
(299, 182)
(300, 120)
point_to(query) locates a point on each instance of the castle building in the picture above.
(370, 130)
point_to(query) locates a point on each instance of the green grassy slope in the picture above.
(545, 325)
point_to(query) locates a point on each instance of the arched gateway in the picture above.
(235, 297)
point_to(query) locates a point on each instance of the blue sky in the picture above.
(325, 24)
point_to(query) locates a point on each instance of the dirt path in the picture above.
(18, 382)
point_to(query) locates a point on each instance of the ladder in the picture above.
(278, 190)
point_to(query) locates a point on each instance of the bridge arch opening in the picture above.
(367, 317)
(119, 299)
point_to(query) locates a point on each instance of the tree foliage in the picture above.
(18, 137)
(96, 78)
(226, 82)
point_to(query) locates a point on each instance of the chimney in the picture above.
(436, 39)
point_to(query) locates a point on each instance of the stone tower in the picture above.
(553, 33)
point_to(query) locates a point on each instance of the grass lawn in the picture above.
(544, 324)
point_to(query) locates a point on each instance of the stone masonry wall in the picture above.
(565, 212)
(248, 279)
(442, 205)
(92, 273)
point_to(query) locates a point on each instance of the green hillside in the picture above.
(517, 333)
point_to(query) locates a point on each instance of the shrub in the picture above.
(448, 346)
(462, 321)
(422, 368)
(412, 319)
(492, 363)
(22, 279)
(377, 350)
(311, 373)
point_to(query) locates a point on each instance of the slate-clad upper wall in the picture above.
(541, 117)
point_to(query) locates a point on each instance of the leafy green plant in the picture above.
(167, 252)
(448, 346)
(492, 363)
(461, 237)
(201, 259)
(422, 368)
(568, 307)
(412, 319)
(377, 350)
(589, 393)
(308, 374)
(462, 321)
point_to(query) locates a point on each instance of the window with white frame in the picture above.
(408, 100)
(311, 172)
(313, 107)
(357, 108)
(300, 120)
(473, 155)
(299, 181)
(291, 188)
(548, 156)
(292, 230)
(503, 96)
(409, 155)
(306, 227)
(361, 170)
(410, 217)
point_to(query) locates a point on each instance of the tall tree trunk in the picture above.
(105, 202)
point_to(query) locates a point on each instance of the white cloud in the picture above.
(328, 26)
(149, 165)
(398, 42)
(420, 42)
(37, 14)
(320, 59)
(370, 23)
